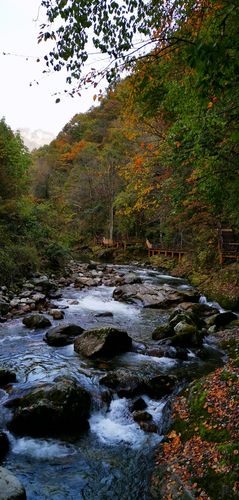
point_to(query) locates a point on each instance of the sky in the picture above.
(31, 107)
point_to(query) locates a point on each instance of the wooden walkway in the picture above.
(154, 250)
(178, 254)
(108, 243)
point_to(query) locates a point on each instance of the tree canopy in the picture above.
(130, 29)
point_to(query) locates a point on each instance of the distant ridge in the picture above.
(35, 138)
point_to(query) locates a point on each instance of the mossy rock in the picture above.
(186, 335)
(162, 331)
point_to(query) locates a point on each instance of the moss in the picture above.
(227, 375)
(197, 400)
(217, 485)
(230, 346)
(230, 452)
(213, 435)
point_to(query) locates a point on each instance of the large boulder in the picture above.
(124, 382)
(160, 385)
(10, 486)
(187, 335)
(102, 342)
(36, 321)
(187, 317)
(154, 296)
(62, 334)
(222, 319)
(51, 409)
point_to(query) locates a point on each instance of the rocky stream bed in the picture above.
(89, 366)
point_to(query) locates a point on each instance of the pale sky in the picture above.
(22, 105)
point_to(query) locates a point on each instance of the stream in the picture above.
(114, 459)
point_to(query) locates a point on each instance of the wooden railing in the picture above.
(177, 253)
(106, 242)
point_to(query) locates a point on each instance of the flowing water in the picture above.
(114, 459)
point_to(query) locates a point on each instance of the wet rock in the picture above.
(51, 409)
(203, 310)
(55, 294)
(106, 314)
(160, 385)
(153, 296)
(36, 321)
(138, 405)
(38, 297)
(10, 486)
(15, 302)
(123, 382)
(4, 306)
(178, 353)
(186, 335)
(7, 377)
(57, 314)
(102, 342)
(92, 266)
(83, 281)
(131, 278)
(4, 445)
(148, 427)
(62, 334)
(163, 331)
(157, 351)
(43, 283)
(222, 319)
(142, 416)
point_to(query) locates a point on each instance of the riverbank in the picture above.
(219, 283)
(199, 457)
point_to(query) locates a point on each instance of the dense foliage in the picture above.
(157, 157)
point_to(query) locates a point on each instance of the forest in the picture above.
(156, 156)
(135, 395)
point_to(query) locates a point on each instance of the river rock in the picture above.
(182, 317)
(4, 445)
(160, 385)
(123, 382)
(106, 314)
(38, 297)
(36, 321)
(57, 314)
(7, 377)
(131, 278)
(102, 342)
(163, 331)
(187, 335)
(43, 284)
(83, 281)
(153, 296)
(51, 409)
(62, 334)
(4, 306)
(222, 319)
(141, 416)
(138, 404)
(10, 486)
(148, 426)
